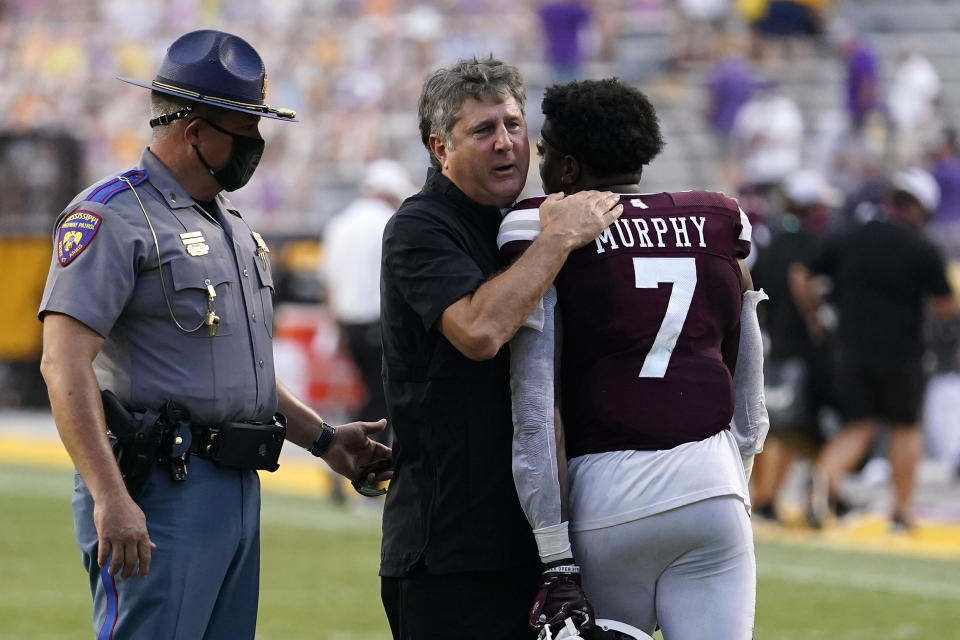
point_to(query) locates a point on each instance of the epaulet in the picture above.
(107, 190)
(704, 199)
(228, 206)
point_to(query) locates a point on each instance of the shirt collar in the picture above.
(441, 184)
(170, 188)
(164, 181)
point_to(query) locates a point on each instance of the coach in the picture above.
(458, 559)
(159, 292)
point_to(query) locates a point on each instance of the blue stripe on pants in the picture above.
(110, 589)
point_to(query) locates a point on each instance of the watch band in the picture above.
(322, 443)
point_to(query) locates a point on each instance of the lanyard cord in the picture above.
(163, 286)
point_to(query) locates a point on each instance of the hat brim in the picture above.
(213, 103)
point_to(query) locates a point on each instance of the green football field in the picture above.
(320, 563)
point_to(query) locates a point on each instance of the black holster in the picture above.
(137, 441)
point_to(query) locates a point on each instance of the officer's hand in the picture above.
(581, 217)
(352, 450)
(122, 535)
(561, 597)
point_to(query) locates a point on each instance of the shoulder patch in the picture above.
(107, 190)
(75, 234)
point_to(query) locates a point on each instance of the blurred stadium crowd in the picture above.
(750, 91)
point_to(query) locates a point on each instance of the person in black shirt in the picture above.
(883, 273)
(796, 368)
(458, 559)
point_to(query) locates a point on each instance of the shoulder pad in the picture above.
(521, 222)
(529, 203)
(107, 190)
(704, 199)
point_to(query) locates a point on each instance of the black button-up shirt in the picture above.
(452, 504)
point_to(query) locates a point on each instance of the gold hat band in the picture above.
(265, 108)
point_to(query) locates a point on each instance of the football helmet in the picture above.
(604, 630)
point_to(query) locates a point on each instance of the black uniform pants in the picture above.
(465, 606)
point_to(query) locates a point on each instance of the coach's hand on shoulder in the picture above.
(561, 597)
(122, 537)
(580, 217)
(352, 452)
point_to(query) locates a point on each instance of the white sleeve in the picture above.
(535, 466)
(750, 422)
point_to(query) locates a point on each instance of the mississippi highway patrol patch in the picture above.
(75, 234)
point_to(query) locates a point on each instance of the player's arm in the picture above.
(536, 459)
(347, 449)
(480, 323)
(539, 469)
(750, 421)
(69, 348)
(730, 346)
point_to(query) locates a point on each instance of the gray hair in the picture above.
(445, 90)
(166, 104)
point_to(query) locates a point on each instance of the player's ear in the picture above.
(570, 170)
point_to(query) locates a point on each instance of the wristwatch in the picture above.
(322, 443)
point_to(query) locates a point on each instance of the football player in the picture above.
(652, 333)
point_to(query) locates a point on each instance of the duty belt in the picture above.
(243, 445)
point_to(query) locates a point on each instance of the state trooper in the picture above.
(158, 310)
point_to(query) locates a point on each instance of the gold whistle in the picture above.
(211, 320)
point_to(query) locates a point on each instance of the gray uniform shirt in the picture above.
(104, 273)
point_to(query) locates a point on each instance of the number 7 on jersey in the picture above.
(649, 273)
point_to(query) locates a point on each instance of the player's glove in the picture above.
(561, 597)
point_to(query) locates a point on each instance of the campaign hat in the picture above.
(218, 69)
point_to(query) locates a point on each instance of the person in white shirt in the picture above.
(912, 105)
(767, 137)
(351, 270)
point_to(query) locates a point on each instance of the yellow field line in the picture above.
(306, 477)
(868, 532)
(871, 532)
(40, 451)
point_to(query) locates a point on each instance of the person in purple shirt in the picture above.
(863, 74)
(946, 171)
(729, 85)
(562, 22)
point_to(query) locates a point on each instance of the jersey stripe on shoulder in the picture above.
(704, 199)
(522, 223)
(747, 229)
(107, 190)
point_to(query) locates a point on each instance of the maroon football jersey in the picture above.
(644, 310)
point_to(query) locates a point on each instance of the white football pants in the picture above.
(691, 570)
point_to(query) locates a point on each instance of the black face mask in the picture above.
(244, 158)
